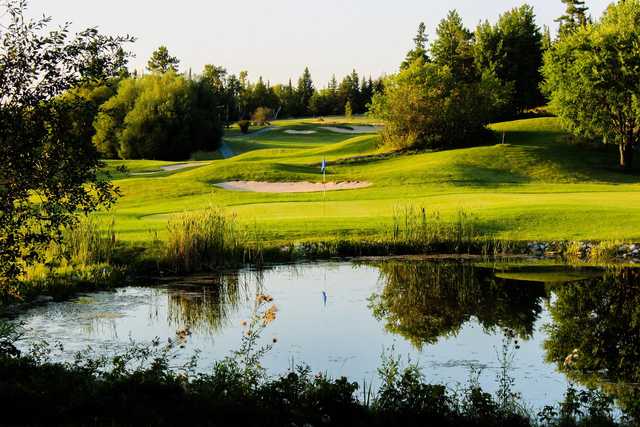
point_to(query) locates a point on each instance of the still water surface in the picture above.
(451, 318)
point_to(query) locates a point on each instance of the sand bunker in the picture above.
(354, 129)
(300, 132)
(290, 187)
(172, 168)
(178, 166)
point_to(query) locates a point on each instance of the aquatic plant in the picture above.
(209, 239)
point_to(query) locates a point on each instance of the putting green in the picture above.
(535, 186)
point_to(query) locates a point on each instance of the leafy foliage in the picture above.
(593, 78)
(159, 116)
(426, 106)
(48, 168)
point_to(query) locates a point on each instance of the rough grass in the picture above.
(536, 186)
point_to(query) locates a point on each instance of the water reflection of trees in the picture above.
(206, 304)
(595, 334)
(428, 300)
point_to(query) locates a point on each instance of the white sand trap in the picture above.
(300, 132)
(172, 168)
(178, 166)
(290, 187)
(354, 129)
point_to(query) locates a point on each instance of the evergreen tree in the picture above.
(546, 39)
(575, 16)
(161, 61)
(513, 50)
(453, 47)
(420, 48)
(349, 91)
(366, 93)
(305, 92)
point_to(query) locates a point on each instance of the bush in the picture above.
(244, 126)
(158, 116)
(425, 106)
(262, 116)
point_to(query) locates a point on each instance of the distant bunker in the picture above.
(291, 187)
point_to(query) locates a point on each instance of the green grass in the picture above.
(534, 187)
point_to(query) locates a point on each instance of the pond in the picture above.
(455, 319)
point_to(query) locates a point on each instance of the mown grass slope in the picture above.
(534, 186)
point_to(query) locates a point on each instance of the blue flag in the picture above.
(323, 168)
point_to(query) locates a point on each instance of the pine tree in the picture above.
(420, 49)
(546, 39)
(161, 61)
(305, 92)
(453, 47)
(575, 16)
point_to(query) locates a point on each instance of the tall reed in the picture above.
(414, 227)
(88, 242)
(209, 239)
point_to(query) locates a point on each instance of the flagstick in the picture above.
(324, 189)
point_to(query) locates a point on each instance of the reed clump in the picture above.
(415, 228)
(88, 242)
(210, 239)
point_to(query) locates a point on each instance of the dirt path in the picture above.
(291, 187)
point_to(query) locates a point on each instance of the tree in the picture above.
(349, 91)
(322, 103)
(547, 42)
(425, 106)
(48, 174)
(305, 92)
(159, 116)
(575, 17)
(593, 79)
(453, 47)
(287, 99)
(419, 50)
(513, 50)
(161, 61)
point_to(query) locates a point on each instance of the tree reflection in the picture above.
(206, 304)
(428, 300)
(595, 334)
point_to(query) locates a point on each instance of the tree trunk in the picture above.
(626, 156)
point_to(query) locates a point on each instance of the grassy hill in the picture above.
(535, 186)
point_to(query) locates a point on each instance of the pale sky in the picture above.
(278, 38)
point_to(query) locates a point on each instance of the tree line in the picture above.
(448, 90)
(168, 115)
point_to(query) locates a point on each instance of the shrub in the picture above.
(158, 116)
(262, 116)
(244, 126)
(425, 106)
